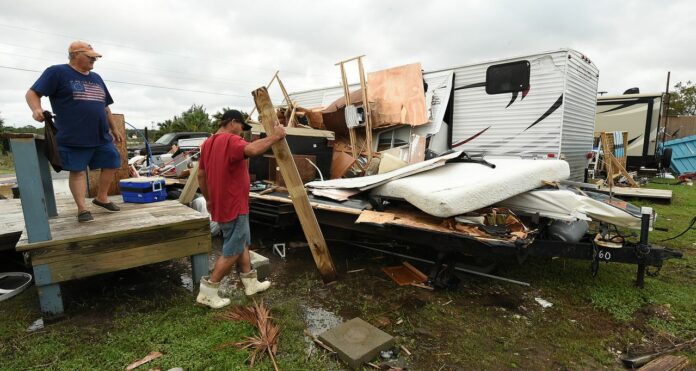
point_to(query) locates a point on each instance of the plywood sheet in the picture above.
(398, 96)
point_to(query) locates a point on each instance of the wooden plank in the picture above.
(303, 132)
(102, 262)
(308, 220)
(191, 186)
(122, 172)
(667, 363)
(662, 194)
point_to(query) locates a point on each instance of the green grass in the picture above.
(6, 164)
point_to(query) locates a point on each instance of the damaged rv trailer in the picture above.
(481, 176)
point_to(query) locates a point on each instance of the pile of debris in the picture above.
(378, 137)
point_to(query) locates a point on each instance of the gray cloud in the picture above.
(232, 48)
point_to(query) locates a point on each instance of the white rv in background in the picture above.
(639, 116)
(537, 105)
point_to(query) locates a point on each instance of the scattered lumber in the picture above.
(296, 190)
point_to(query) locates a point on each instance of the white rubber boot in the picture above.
(208, 294)
(252, 284)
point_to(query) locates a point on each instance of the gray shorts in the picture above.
(235, 236)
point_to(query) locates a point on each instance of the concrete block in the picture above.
(261, 264)
(357, 341)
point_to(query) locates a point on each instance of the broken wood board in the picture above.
(369, 182)
(122, 172)
(191, 186)
(398, 96)
(304, 167)
(660, 194)
(667, 363)
(375, 217)
(300, 201)
(301, 132)
(405, 274)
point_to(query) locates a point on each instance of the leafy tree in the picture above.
(193, 119)
(218, 115)
(683, 100)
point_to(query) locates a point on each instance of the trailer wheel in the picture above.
(666, 159)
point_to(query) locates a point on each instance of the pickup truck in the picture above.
(165, 143)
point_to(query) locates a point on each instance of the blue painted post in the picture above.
(35, 185)
(46, 180)
(199, 267)
(50, 298)
(31, 189)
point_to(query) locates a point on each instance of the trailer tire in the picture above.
(666, 159)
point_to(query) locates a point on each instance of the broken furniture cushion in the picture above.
(458, 188)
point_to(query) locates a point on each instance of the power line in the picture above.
(145, 85)
(152, 51)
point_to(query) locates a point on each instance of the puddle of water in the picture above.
(37, 325)
(187, 282)
(319, 320)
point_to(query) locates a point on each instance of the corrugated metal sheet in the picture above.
(683, 154)
(577, 131)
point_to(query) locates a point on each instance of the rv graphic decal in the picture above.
(515, 94)
(549, 111)
(470, 138)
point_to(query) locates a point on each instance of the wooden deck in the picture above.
(138, 235)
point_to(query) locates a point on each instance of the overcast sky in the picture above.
(217, 52)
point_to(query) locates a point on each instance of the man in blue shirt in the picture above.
(80, 101)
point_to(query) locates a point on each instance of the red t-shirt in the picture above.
(227, 175)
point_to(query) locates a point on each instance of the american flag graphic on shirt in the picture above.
(84, 90)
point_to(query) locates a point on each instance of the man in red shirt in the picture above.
(223, 178)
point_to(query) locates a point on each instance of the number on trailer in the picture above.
(604, 255)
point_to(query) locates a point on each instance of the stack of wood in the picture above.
(613, 165)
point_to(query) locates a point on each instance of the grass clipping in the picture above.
(266, 342)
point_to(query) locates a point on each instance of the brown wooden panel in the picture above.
(122, 172)
(398, 96)
(91, 264)
(104, 244)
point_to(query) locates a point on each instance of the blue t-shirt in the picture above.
(79, 102)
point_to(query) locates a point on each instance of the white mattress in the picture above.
(458, 188)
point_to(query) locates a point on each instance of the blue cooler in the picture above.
(143, 190)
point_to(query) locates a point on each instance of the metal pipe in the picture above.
(432, 262)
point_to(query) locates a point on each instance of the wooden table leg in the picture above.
(199, 267)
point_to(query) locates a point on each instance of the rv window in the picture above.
(507, 77)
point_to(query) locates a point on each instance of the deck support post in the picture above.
(199, 267)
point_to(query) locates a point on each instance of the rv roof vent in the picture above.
(632, 91)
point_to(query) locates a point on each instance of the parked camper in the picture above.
(639, 116)
(537, 105)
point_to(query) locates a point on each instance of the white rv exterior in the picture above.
(555, 115)
(639, 116)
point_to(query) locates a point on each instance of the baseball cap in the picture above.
(235, 115)
(81, 46)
